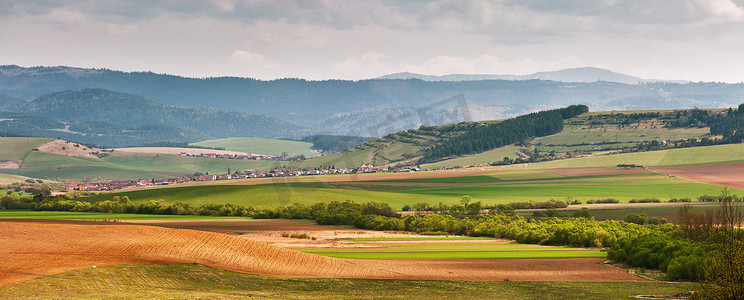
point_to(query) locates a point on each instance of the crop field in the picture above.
(668, 212)
(457, 248)
(37, 248)
(261, 146)
(198, 281)
(490, 188)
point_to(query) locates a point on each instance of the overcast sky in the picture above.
(699, 40)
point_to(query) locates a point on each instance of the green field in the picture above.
(191, 281)
(8, 178)
(476, 159)
(451, 248)
(672, 157)
(459, 254)
(84, 216)
(514, 187)
(15, 148)
(261, 146)
(668, 212)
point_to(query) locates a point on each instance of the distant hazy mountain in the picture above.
(587, 74)
(371, 106)
(91, 105)
(103, 117)
(8, 103)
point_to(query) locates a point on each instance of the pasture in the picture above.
(198, 281)
(261, 146)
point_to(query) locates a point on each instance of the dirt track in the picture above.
(730, 175)
(51, 247)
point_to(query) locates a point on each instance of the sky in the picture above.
(698, 40)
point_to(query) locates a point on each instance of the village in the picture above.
(230, 175)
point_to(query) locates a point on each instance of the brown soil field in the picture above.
(10, 164)
(68, 148)
(730, 175)
(36, 248)
(270, 231)
(172, 150)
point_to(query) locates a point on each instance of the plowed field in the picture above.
(730, 175)
(31, 249)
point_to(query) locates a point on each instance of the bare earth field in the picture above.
(10, 164)
(124, 152)
(730, 175)
(35, 248)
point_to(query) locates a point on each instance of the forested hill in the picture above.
(493, 135)
(114, 119)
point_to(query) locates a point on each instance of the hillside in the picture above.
(102, 117)
(353, 107)
(588, 136)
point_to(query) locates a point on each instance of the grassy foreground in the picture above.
(196, 281)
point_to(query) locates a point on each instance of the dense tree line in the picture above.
(493, 135)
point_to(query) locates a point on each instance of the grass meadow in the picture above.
(197, 281)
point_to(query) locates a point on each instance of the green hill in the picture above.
(261, 146)
(589, 136)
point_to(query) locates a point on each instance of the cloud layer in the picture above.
(693, 39)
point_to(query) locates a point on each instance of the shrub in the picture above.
(639, 219)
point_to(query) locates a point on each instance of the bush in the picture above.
(603, 201)
(583, 213)
(645, 200)
(639, 219)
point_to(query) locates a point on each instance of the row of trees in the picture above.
(493, 135)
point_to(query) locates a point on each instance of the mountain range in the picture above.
(231, 106)
(586, 74)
